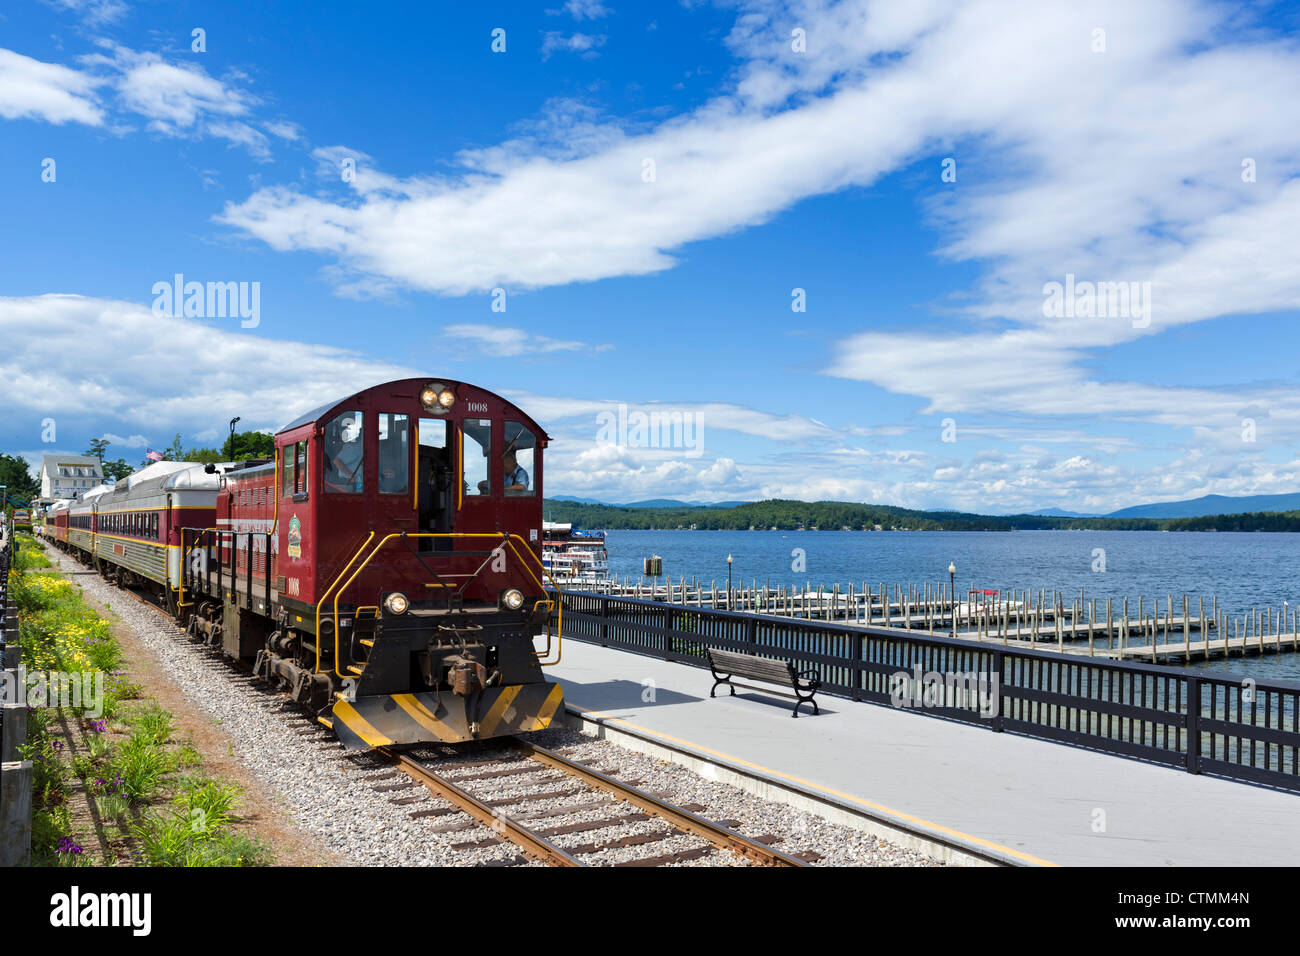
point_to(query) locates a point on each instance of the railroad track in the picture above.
(581, 789)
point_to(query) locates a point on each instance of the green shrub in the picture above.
(142, 765)
(196, 832)
(152, 724)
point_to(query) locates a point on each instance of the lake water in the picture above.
(1245, 570)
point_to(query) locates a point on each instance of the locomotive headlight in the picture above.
(437, 397)
(513, 599)
(396, 603)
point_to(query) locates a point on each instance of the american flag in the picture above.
(153, 455)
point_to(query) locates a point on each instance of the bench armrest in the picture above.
(809, 678)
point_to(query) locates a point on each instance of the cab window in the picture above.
(300, 472)
(344, 459)
(518, 460)
(394, 454)
(287, 459)
(476, 446)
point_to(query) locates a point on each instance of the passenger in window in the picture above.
(515, 478)
(343, 453)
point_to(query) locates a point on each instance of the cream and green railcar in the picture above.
(81, 521)
(132, 529)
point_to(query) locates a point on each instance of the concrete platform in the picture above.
(1028, 801)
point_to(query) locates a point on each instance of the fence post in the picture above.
(1193, 725)
(997, 669)
(13, 730)
(15, 813)
(602, 624)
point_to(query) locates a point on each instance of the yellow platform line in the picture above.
(920, 821)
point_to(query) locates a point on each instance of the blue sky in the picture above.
(794, 146)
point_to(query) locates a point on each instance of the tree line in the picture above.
(790, 515)
(21, 483)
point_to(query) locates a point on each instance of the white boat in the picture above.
(575, 558)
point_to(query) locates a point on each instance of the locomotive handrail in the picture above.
(506, 538)
(321, 600)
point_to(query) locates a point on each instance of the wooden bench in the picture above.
(728, 664)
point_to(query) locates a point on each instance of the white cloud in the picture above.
(520, 216)
(583, 44)
(174, 97)
(177, 99)
(133, 381)
(135, 441)
(133, 390)
(47, 91)
(285, 130)
(508, 342)
(707, 417)
(1115, 166)
(94, 13)
(582, 9)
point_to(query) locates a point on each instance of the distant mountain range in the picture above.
(651, 503)
(1204, 506)
(1201, 507)
(1211, 505)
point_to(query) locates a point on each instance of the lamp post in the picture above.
(233, 421)
(952, 594)
(728, 582)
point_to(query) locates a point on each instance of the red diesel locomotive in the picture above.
(384, 569)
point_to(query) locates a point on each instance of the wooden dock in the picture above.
(1166, 630)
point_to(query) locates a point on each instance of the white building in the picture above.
(69, 476)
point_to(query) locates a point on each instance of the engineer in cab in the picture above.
(514, 476)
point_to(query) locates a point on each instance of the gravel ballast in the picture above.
(332, 793)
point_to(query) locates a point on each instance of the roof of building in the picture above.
(77, 460)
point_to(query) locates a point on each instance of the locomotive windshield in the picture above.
(477, 446)
(394, 454)
(518, 461)
(345, 454)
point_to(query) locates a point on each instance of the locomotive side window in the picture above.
(344, 454)
(394, 454)
(518, 460)
(476, 445)
(287, 470)
(300, 475)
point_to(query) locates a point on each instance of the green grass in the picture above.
(196, 830)
(179, 820)
(142, 765)
(28, 555)
(150, 723)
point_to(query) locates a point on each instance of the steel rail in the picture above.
(684, 820)
(517, 833)
(538, 846)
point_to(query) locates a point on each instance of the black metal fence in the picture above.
(1201, 722)
(15, 773)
